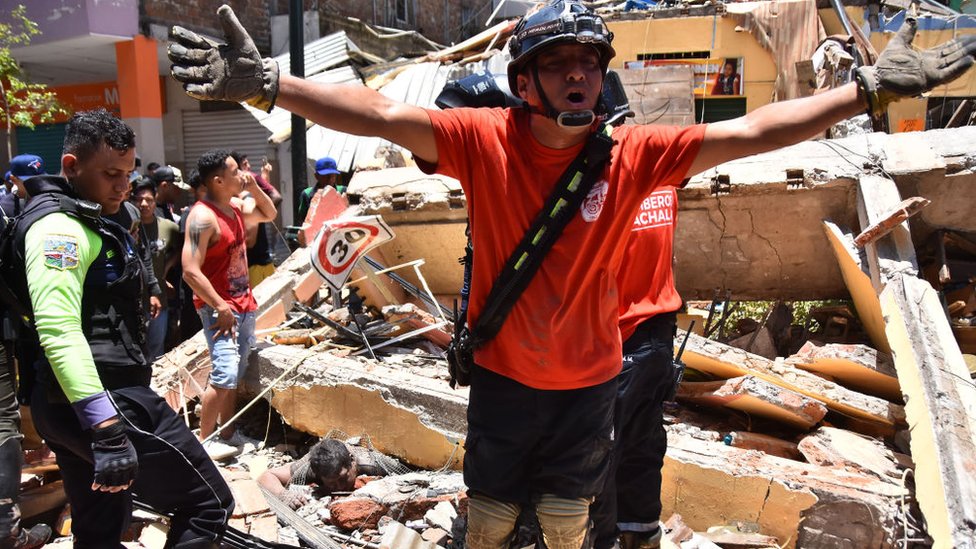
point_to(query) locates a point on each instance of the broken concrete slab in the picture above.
(830, 447)
(858, 281)
(408, 411)
(800, 504)
(724, 361)
(756, 396)
(856, 366)
(940, 406)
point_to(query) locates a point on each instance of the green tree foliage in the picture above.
(24, 103)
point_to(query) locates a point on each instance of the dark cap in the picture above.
(26, 165)
(325, 166)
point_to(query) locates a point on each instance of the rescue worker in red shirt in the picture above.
(543, 390)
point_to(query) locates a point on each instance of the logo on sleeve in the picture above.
(60, 252)
(593, 203)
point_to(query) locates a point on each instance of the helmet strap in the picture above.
(568, 119)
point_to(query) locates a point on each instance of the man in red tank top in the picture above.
(215, 267)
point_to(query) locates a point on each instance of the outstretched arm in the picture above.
(360, 110)
(776, 125)
(901, 71)
(235, 71)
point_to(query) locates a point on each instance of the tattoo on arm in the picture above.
(197, 227)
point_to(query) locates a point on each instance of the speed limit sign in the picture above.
(341, 242)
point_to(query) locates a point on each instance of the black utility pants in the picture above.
(631, 499)
(175, 474)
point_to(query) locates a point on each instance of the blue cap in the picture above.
(26, 165)
(6, 176)
(325, 166)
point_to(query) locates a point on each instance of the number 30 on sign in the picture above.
(341, 242)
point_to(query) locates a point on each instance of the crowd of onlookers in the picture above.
(160, 199)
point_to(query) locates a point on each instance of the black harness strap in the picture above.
(567, 196)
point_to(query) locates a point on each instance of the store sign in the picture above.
(85, 97)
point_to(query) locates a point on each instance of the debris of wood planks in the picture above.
(940, 400)
(756, 396)
(859, 367)
(724, 361)
(764, 443)
(906, 209)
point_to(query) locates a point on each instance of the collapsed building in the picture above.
(860, 432)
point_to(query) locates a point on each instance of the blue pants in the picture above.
(631, 499)
(175, 474)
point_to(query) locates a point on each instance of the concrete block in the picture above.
(409, 411)
(764, 443)
(436, 536)
(264, 526)
(709, 483)
(398, 536)
(441, 516)
(354, 513)
(248, 498)
(830, 447)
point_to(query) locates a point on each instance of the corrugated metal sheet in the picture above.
(279, 120)
(321, 55)
(235, 129)
(417, 85)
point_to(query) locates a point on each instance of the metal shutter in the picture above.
(46, 141)
(236, 130)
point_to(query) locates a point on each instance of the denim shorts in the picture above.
(228, 355)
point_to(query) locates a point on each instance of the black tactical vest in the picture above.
(112, 316)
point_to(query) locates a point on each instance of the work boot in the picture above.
(641, 540)
(37, 536)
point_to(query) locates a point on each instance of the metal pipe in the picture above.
(296, 54)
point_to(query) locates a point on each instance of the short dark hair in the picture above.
(152, 166)
(87, 130)
(143, 184)
(211, 162)
(327, 459)
(239, 157)
(194, 180)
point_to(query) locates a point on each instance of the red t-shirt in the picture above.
(562, 333)
(225, 265)
(646, 279)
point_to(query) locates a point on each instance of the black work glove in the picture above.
(902, 71)
(225, 72)
(116, 463)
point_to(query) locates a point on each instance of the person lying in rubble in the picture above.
(332, 466)
(540, 407)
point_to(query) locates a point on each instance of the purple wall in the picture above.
(63, 19)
